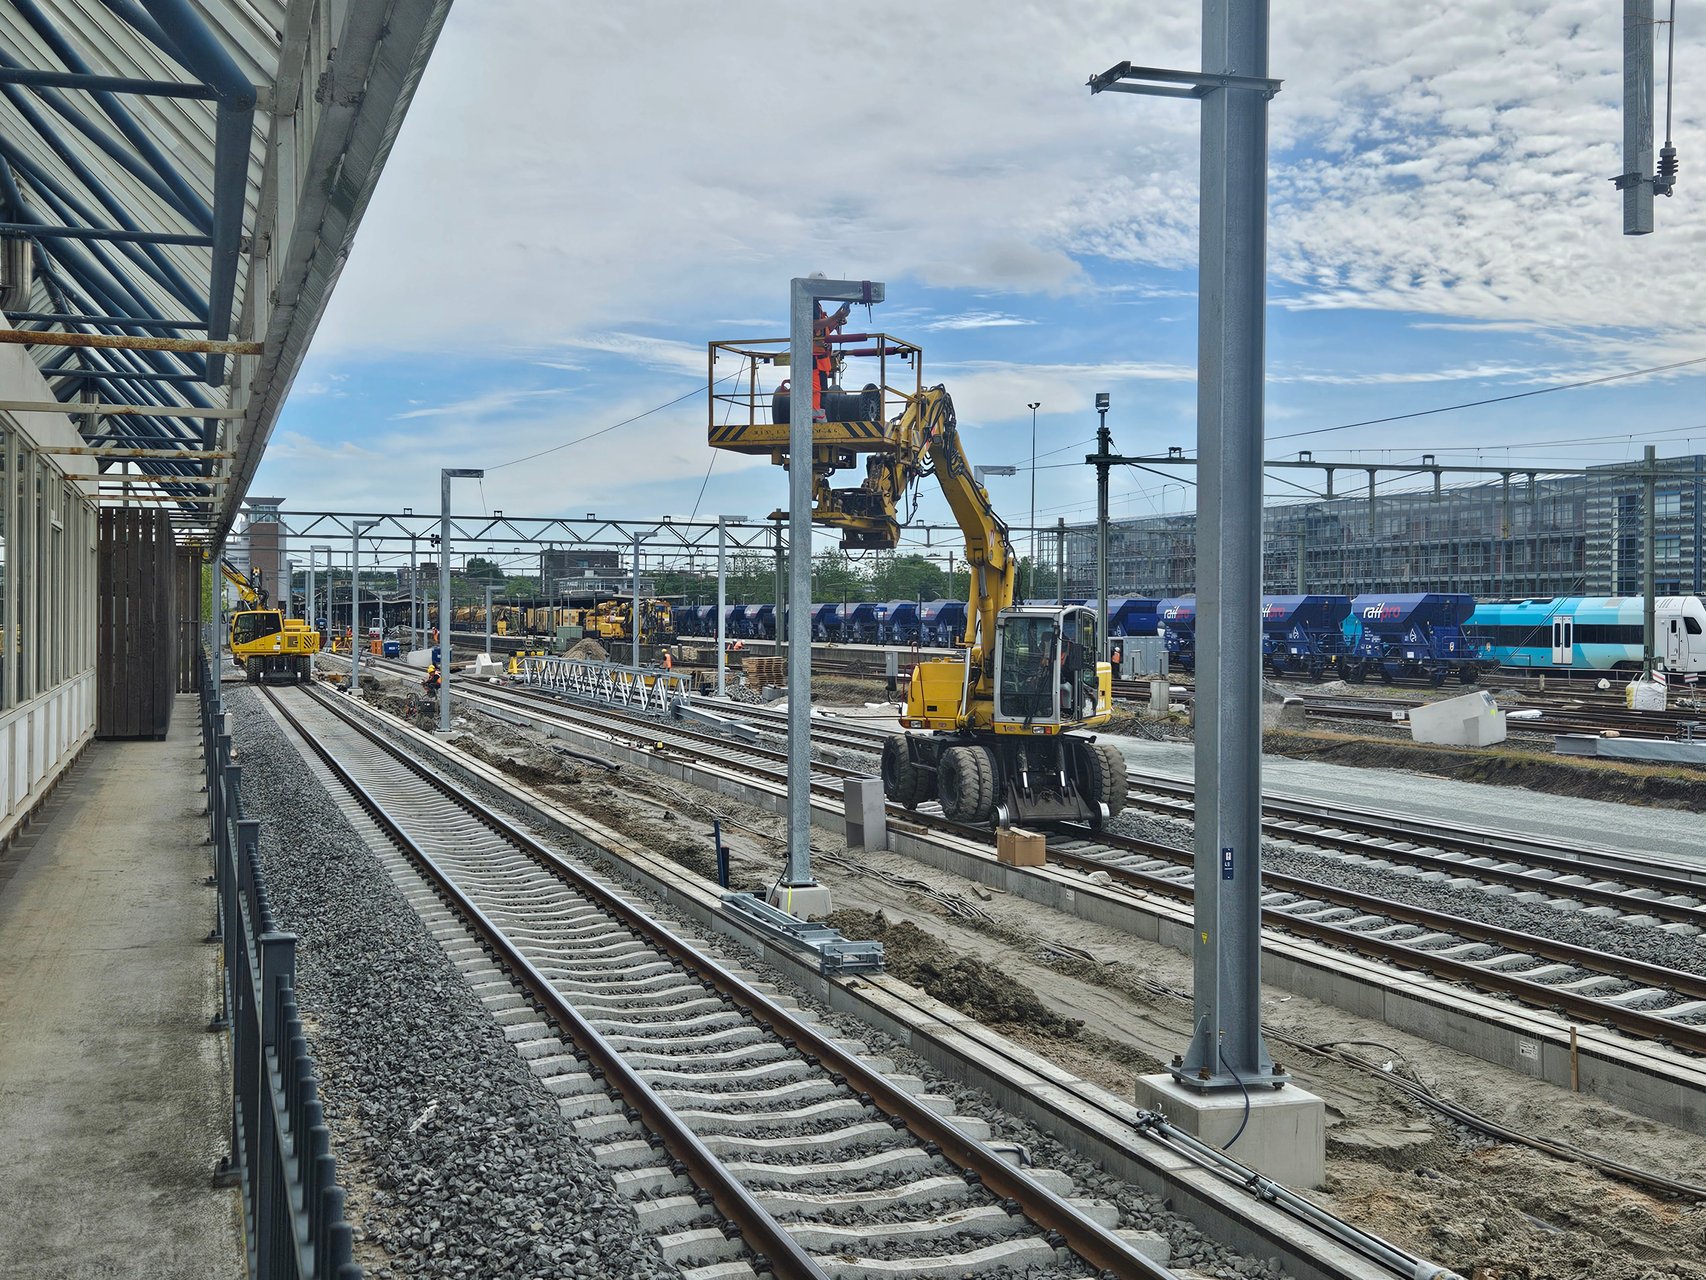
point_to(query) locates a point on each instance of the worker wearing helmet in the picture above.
(823, 359)
(432, 683)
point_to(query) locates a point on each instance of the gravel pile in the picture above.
(1635, 942)
(456, 1158)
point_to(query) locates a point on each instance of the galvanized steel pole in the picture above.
(1649, 626)
(489, 589)
(1060, 559)
(1031, 583)
(445, 476)
(803, 297)
(357, 528)
(1636, 181)
(1227, 1049)
(1104, 443)
(722, 603)
(634, 612)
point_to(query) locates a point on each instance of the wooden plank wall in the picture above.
(188, 583)
(136, 650)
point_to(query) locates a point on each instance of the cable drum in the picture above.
(838, 406)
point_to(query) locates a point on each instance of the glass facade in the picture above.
(1570, 535)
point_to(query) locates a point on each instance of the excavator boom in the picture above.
(998, 747)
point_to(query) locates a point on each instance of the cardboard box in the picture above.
(1016, 847)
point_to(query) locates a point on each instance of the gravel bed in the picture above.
(1635, 942)
(456, 1157)
(1138, 1210)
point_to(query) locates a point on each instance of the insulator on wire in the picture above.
(1668, 166)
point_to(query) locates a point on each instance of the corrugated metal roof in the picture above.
(195, 235)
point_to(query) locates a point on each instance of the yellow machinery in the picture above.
(997, 733)
(263, 641)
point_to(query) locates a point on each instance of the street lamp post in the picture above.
(313, 585)
(1030, 587)
(357, 528)
(445, 476)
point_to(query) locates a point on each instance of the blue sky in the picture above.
(573, 209)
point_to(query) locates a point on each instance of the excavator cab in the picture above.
(1048, 673)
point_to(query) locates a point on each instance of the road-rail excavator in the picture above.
(263, 641)
(996, 735)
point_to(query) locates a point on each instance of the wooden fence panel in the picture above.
(137, 669)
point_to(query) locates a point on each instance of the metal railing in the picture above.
(648, 689)
(293, 1207)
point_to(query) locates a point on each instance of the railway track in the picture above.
(1643, 1000)
(745, 1135)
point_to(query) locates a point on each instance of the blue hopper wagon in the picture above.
(1304, 635)
(1133, 616)
(824, 623)
(1178, 620)
(942, 622)
(897, 622)
(1416, 636)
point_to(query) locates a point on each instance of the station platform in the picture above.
(114, 1096)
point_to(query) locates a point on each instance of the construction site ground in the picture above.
(1109, 1007)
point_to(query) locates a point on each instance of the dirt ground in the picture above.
(1109, 1007)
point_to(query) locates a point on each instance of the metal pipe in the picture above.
(55, 317)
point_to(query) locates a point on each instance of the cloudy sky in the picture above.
(583, 195)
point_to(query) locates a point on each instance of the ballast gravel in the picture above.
(1633, 941)
(457, 1160)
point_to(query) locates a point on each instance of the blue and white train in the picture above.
(1592, 633)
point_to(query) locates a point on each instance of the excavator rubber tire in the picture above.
(903, 781)
(966, 779)
(1107, 776)
(252, 669)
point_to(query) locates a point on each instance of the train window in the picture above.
(1692, 625)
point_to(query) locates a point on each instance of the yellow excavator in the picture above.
(263, 641)
(996, 736)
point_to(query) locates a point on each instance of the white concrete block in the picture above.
(1471, 720)
(1285, 1138)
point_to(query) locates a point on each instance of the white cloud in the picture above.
(977, 320)
(480, 406)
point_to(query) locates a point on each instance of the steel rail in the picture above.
(1083, 1236)
(1534, 850)
(763, 1234)
(1688, 1037)
(1641, 1025)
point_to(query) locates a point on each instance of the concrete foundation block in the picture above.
(1285, 1138)
(805, 901)
(867, 814)
(1471, 720)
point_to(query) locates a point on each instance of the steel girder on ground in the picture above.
(191, 170)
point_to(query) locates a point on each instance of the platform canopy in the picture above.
(180, 182)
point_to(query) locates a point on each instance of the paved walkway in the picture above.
(1669, 833)
(113, 1095)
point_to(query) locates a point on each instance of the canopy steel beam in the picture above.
(30, 230)
(35, 79)
(130, 342)
(76, 408)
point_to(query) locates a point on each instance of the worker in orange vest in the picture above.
(823, 359)
(668, 662)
